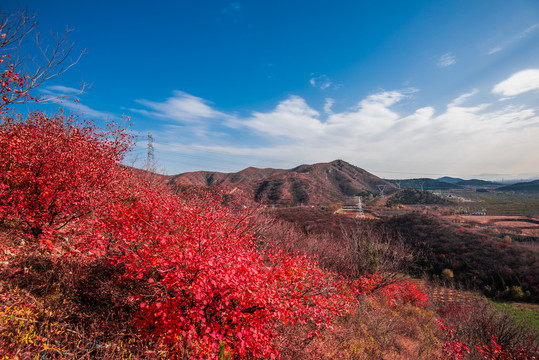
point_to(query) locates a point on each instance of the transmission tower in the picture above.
(381, 188)
(150, 157)
(360, 213)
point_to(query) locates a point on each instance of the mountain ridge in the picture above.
(313, 184)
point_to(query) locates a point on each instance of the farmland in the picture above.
(502, 203)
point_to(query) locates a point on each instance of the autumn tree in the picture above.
(54, 170)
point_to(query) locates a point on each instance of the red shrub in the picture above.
(407, 292)
(399, 292)
(213, 289)
(494, 351)
(452, 348)
(54, 170)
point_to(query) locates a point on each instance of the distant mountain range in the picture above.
(323, 183)
(449, 179)
(527, 187)
(477, 183)
(449, 183)
(318, 184)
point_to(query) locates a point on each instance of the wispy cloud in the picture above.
(79, 108)
(516, 84)
(60, 89)
(182, 107)
(446, 60)
(328, 105)
(495, 50)
(322, 82)
(462, 98)
(63, 95)
(511, 40)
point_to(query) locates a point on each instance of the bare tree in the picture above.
(21, 73)
(372, 250)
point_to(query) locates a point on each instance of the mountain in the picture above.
(529, 187)
(477, 182)
(424, 184)
(318, 184)
(413, 197)
(449, 179)
(211, 178)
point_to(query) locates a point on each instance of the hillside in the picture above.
(424, 184)
(450, 180)
(413, 196)
(318, 184)
(489, 264)
(530, 187)
(213, 178)
(477, 182)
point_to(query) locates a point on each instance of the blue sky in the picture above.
(399, 88)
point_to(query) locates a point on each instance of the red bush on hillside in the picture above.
(54, 170)
(212, 288)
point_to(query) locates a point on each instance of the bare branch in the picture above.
(19, 75)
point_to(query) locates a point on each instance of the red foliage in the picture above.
(11, 83)
(212, 288)
(54, 170)
(453, 348)
(399, 292)
(407, 292)
(494, 351)
(367, 284)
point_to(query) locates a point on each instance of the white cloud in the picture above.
(461, 139)
(63, 95)
(494, 50)
(521, 82)
(462, 98)
(327, 106)
(182, 107)
(465, 137)
(370, 119)
(322, 82)
(446, 60)
(292, 118)
(59, 89)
